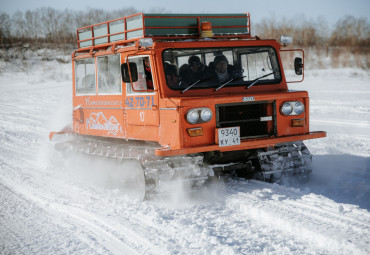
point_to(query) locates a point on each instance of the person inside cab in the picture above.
(222, 71)
(172, 76)
(144, 80)
(221, 68)
(193, 71)
(148, 74)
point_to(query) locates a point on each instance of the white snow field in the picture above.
(51, 206)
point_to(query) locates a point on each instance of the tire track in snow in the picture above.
(123, 244)
(144, 238)
(275, 206)
(113, 235)
(310, 203)
(94, 232)
(360, 225)
(214, 228)
(29, 228)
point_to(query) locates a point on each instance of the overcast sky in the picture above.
(331, 10)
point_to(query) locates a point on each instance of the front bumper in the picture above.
(244, 145)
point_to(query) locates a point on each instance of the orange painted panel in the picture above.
(142, 110)
(284, 123)
(101, 122)
(100, 115)
(145, 133)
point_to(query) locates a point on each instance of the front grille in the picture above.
(248, 117)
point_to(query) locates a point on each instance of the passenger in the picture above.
(171, 74)
(145, 79)
(193, 71)
(148, 74)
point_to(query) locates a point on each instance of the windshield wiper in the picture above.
(195, 83)
(259, 78)
(231, 80)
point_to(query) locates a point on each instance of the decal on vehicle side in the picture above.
(89, 102)
(98, 121)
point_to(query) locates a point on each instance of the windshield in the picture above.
(211, 67)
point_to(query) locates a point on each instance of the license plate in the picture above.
(228, 136)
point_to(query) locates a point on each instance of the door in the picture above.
(141, 102)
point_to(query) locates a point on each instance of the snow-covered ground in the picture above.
(48, 206)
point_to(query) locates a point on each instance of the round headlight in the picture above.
(287, 108)
(192, 116)
(298, 108)
(206, 115)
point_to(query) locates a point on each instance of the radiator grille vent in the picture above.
(248, 117)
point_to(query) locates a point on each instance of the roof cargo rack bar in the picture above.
(161, 26)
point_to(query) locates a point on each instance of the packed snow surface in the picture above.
(51, 205)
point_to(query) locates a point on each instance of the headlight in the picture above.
(292, 108)
(199, 115)
(192, 116)
(287, 108)
(205, 114)
(298, 108)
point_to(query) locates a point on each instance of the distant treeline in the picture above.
(348, 31)
(48, 25)
(347, 44)
(57, 28)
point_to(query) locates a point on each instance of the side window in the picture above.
(109, 75)
(85, 76)
(145, 80)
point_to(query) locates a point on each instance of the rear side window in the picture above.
(85, 76)
(109, 75)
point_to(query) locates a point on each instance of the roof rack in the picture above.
(161, 26)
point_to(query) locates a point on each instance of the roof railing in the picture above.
(161, 26)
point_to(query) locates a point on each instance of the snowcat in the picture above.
(186, 97)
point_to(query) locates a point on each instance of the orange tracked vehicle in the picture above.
(188, 96)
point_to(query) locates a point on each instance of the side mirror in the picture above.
(298, 66)
(125, 72)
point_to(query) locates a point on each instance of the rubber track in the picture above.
(161, 173)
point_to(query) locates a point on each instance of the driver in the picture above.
(222, 71)
(221, 65)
